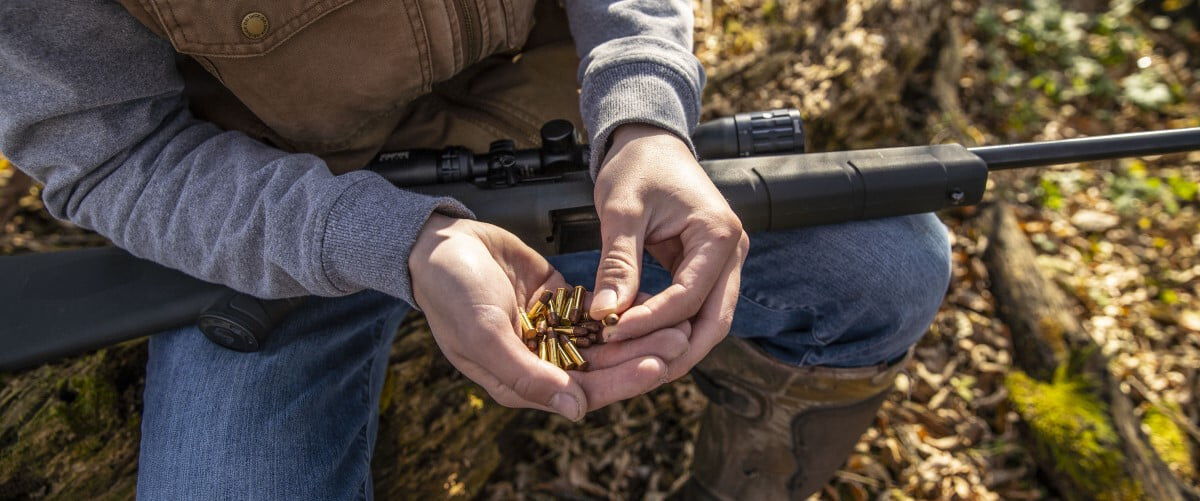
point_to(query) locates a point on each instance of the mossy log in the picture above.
(1087, 436)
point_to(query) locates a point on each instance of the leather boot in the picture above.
(777, 431)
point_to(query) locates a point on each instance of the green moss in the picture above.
(72, 431)
(1071, 427)
(88, 403)
(1169, 441)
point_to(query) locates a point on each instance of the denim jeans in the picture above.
(298, 419)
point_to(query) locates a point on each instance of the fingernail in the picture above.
(604, 300)
(566, 405)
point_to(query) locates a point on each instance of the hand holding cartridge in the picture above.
(467, 278)
(651, 194)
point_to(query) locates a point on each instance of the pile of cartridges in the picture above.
(557, 325)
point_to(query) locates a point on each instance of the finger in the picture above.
(667, 344)
(622, 382)
(666, 252)
(705, 261)
(685, 327)
(500, 392)
(620, 268)
(712, 323)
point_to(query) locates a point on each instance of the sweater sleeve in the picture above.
(91, 106)
(637, 67)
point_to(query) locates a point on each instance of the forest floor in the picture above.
(1122, 238)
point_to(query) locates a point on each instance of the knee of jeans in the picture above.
(307, 400)
(922, 267)
(901, 281)
(861, 281)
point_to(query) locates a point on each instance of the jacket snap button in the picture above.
(255, 25)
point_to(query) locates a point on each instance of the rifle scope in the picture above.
(743, 135)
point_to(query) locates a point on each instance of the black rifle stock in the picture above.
(61, 303)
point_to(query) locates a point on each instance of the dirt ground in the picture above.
(1120, 237)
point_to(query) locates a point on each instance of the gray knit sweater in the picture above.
(91, 106)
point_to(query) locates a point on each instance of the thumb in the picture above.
(620, 264)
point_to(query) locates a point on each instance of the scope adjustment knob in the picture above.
(558, 136)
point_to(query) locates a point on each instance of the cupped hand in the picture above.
(470, 278)
(652, 194)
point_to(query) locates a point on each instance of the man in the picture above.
(223, 139)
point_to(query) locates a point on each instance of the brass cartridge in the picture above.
(552, 351)
(543, 350)
(560, 301)
(564, 358)
(538, 308)
(575, 357)
(611, 319)
(527, 329)
(574, 311)
(542, 304)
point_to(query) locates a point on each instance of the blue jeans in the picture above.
(298, 419)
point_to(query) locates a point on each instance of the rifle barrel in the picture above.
(1015, 156)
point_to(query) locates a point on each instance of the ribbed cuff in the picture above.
(637, 91)
(369, 234)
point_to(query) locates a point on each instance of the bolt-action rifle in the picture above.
(62, 303)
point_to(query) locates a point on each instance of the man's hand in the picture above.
(651, 193)
(470, 277)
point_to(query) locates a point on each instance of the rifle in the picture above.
(62, 303)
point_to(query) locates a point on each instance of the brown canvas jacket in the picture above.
(328, 77)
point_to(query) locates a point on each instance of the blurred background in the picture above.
(1112, 413)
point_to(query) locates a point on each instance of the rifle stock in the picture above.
(62, 303)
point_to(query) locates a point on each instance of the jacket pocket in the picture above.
(477, 29)
(324, 75)
(236, 27)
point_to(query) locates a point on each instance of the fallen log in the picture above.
(1087, 437)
